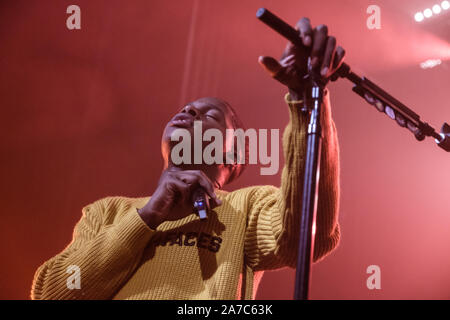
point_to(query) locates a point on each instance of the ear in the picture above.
(225, 174)
(229, 170)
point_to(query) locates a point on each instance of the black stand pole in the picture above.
(373, 94)
(310, 192)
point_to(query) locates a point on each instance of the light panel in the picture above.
(435, 10)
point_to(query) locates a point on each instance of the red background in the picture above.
(82, 114)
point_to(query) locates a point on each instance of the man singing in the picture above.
(158, 248)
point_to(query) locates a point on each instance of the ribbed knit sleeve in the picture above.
(106, 253)
(272, 235)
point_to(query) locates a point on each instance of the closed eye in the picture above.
(212, 117)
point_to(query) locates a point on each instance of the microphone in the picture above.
(201, 203)
(291, 34)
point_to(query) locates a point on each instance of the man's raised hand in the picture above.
(290, 70)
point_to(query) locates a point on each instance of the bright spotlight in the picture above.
(419, 16)
(431, 63)
(437, 9)
(434, 10)
(427, 13)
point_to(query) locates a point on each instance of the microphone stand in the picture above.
(313, 104)
(374, 95)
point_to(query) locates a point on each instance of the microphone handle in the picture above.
(201, 203)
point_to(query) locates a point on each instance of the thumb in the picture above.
(214, 202)
(271, 65)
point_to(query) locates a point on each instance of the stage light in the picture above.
(419, 16)
(437, 9)
(390, 112)
(379, 105)
(369, 98)
(430, 63)
(401, 121)
(427, 13)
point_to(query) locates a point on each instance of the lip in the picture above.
(182, 120)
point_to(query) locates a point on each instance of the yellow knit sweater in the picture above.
(255, 229)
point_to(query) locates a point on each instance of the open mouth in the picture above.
(182, 121)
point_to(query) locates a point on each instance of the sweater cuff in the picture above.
(132, 231)
(287, 98)
(298, 114)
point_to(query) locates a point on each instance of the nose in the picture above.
(192, 111)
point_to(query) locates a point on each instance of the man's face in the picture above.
(212, 112)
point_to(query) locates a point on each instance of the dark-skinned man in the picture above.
(157, 247)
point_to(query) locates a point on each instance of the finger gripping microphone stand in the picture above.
(374, 95)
